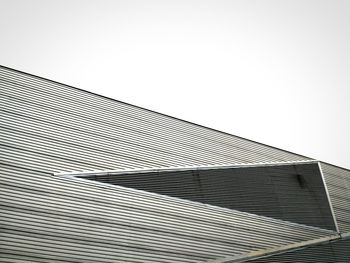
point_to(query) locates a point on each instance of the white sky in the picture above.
(277, 72)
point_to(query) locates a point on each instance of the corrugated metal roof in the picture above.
(330, 252)
(90, 132)
(47, 216)
(47, 127)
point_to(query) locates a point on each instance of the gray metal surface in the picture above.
(47, 127)
(293, 192)
(68, 129)
(266, 253)
(338, 184)
(330, 252)
(76, 220)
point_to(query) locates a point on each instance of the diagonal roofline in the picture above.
(156, 112)
(165, 115)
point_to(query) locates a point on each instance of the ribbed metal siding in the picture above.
(91, 132)
(48, 127)
(334, 252)
(289, 192)
(56, 218)
(338, 183)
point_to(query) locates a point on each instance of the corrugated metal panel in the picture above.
(49, 116)
(334, 252)
(48, 127)
(289, 192)
(50, 217)
(338, 183)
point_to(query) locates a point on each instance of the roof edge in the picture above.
(166, 115)
(153, 111)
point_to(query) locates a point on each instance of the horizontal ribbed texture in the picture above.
(67, 129)
(48, 127)
(334, 252)
(74, 220)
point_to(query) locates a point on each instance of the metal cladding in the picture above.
(293, 193)
(335, 252)
(67, 129)
(53, 218)
(338, 183)
(48, 128)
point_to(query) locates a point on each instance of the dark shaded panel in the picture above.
(289, 192)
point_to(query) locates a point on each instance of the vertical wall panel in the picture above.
(338, 183)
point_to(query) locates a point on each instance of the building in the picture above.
(85, 178)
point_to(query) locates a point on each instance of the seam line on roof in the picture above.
(273, 251)
(183, 168)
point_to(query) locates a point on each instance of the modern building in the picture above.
(85, 178)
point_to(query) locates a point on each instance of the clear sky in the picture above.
(277, 72)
